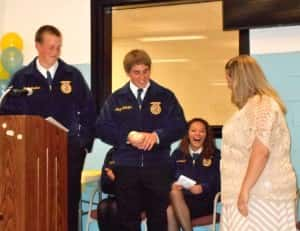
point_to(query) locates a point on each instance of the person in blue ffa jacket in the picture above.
(141, 120)
(108, 219)
(58, 90)
(107, 211)
(198, 159)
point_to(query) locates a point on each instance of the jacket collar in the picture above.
(31, 68)
(153, 88)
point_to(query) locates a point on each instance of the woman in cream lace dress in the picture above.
(258, 180)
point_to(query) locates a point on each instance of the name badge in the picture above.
(33, 87)
(123, 108)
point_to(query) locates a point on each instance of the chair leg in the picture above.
(89, 218)
(80, 216)
(215, 211)
(144, 222)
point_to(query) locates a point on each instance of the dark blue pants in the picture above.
(143, 188)
(76, 158)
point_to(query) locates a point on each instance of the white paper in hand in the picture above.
(185, 181)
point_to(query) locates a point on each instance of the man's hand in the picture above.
(135, 138)
(142, 140)
(149, 140)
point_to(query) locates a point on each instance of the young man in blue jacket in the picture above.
(141, 120)
(58, 90)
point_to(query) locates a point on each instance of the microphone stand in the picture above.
(4, 94)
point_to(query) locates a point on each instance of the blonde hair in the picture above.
(248, 80)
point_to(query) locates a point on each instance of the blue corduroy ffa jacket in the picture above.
(208, 175)
(69, 100)
(160, 112)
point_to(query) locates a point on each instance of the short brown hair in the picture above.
(46, 29)
(136, 57)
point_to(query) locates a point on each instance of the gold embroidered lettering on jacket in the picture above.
(112, 162)
(33, 87)
(123, 108)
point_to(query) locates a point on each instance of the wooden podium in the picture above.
(33, 175)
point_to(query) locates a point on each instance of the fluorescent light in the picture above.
(219, 83)
(171, 38)
(170, 60)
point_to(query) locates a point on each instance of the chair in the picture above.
(89, 176)
(199, 221)
(297, 203)
(209, 219)
(92, 214)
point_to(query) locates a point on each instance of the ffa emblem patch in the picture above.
(155, 108)
(206, 162)
(65, 87)
(112, 162)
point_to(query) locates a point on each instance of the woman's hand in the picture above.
(176, 186)
(196, 189)
(257, 162)
(242, 203)
(110, 174)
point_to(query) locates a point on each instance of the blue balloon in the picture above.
(12, 59)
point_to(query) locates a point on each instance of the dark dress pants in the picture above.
(76, 158)
(143, 188)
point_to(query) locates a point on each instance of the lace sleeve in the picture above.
(264, 117)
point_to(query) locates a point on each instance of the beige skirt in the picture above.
(262, 216)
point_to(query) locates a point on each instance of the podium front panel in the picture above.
(33, 175)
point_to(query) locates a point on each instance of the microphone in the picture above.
(10, 91)
(27, 91)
